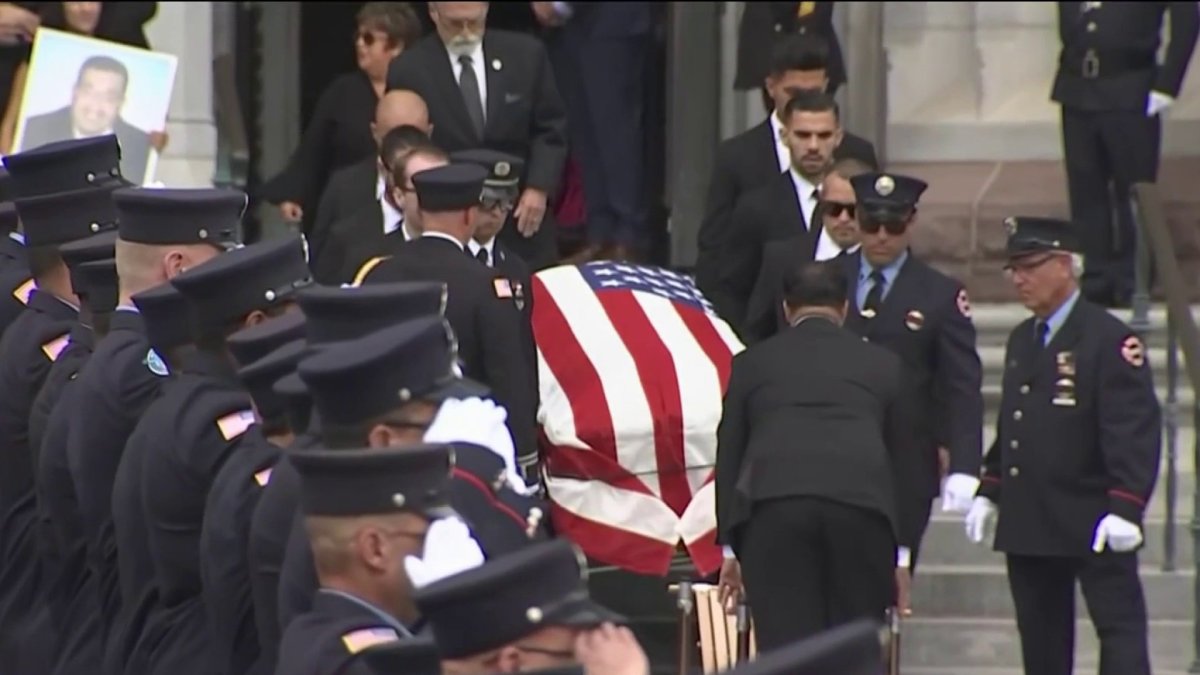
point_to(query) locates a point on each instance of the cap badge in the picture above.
(503, 169)
(270, 295)
(885, 185)
(534, 615)
(1010, 226)
(399, 500)
(95, 227)
(203, 233)
(405, 394)
(90, 177)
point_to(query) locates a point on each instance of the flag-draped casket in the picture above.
(632, 364)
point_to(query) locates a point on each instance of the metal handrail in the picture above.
(1152, 224)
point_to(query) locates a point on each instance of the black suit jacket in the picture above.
(353, 241)
(813, 411)
(486, 323)
(1116, 31)
(743, 163)
(524, 112)
(770, 213)
(765, 22)
(764, 311)
(56, 126)
(350, 190)
(925, 320)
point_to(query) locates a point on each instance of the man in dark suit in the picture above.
(95, 110)
(379, 226)
(924, 317)
(758, 155)
(599, 51)
(495, 91)
(764, 23)
(1112, 91)
(363, 185)
(839, 238)
(785, 206)
(804, 482)
(481, 305)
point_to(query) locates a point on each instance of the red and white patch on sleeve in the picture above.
(1133, 351)
(964, 303)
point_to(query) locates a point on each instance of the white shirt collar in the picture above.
(476, 55)
(489, 246)
(782, 155)
(392, 218)
(442, 235)
(380, 185)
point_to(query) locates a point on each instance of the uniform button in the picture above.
(1024, 389)
(1017, 415)
(1091, 27)
(803, 30)
(1013, 444)
(1014, 472)
(866, 339)
(778, 27)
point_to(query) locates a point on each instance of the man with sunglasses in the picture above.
(365, 512)
(1066, 482)
(839, 238)
(924, 317)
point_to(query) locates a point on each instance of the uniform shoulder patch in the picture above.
(1133, 351)
(235, 424)
(55, 347)
(365, 269)
(503, 288)
(156, 364)
(357, 640)
(263, 477)
(963, 302)
(24, 291)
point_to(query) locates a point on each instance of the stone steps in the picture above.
(988, 643)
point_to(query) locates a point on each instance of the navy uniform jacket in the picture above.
(115, 388)
(15, 282)
(1124, 38)
(481, 309)
(26, 353)
(182, 451)
(270, 529)
(224, 552)
(73, 593)
(80, 343)
(925, 320)
(519, 275)
(1078, 435)
(324, 640)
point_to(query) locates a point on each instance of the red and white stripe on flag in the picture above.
(632, 364)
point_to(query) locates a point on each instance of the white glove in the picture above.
(958, 492)
(1118, 534)
(1157, 102)
(981, 520)
(480, 422)
(449, 550)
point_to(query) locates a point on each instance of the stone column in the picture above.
(185, 30)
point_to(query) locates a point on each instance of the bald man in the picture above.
(358, 186)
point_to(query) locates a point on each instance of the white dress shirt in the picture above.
(443, 235)
(480, 68)
(474, 247)
(807, 193)
(392, 218)
(782, 154)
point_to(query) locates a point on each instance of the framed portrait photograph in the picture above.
(80, 86)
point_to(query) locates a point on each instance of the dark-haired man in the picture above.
(785, 206)
(95, 110)
(799, 63)
(805, 497)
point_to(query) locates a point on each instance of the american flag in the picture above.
(633, 365)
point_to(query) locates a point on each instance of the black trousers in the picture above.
(811, 564)
(1043, 591)
(1107, 152)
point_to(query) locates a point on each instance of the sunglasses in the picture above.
(893, 227)
(836, 209)
(491, 203)
(368, 38)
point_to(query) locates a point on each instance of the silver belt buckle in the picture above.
(1091, 65)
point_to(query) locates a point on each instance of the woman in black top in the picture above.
(339, 133)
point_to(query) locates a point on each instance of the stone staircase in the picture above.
(963, 616)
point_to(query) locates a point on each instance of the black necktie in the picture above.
(1040, 330)
(468, 84)
(874, 294)
(482, 255)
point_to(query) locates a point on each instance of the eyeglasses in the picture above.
(894, 227)
(490, 203)
(836, 209)
(406, 534)
(1027, 264)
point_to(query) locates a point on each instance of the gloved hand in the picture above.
(958, 492)
(981, 520)
(480, 422)
(449, 550)
(1118, 534)
(1157, 102)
